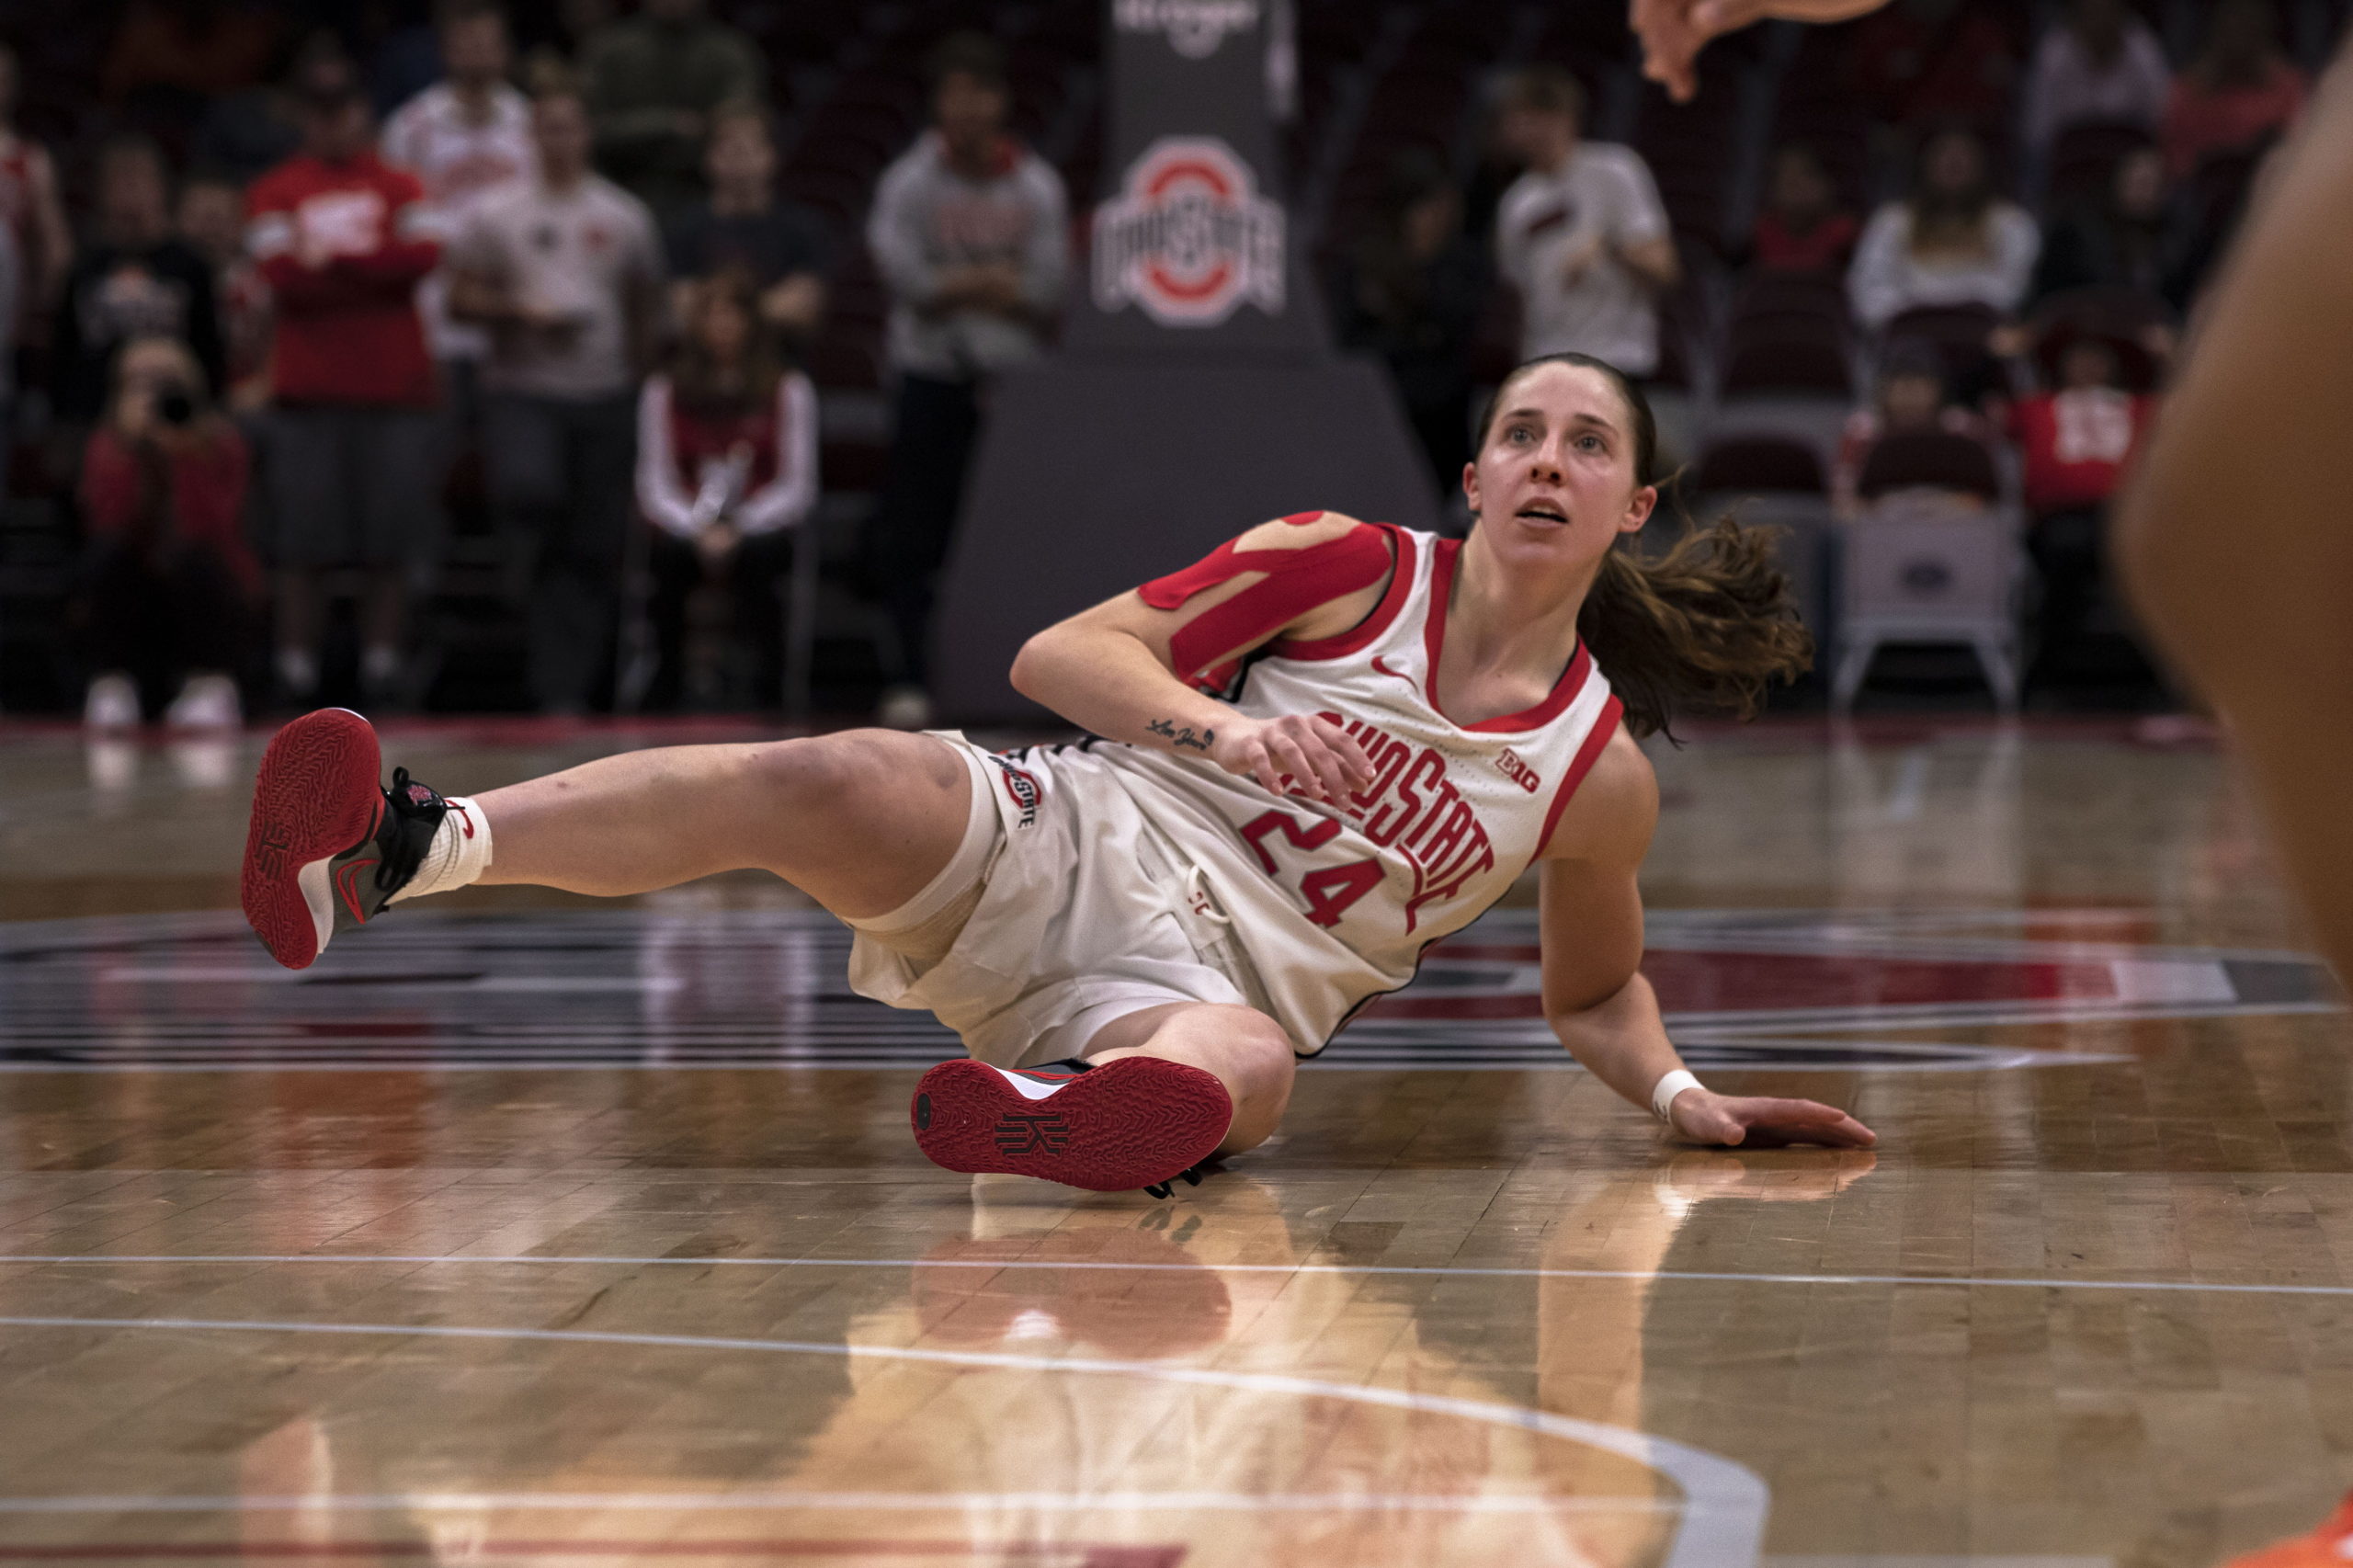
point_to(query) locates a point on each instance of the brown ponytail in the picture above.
(1707, 626)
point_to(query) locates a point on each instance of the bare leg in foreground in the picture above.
(861, 822)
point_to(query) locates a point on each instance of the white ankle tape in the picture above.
(460, 852)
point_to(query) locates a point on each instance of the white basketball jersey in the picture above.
(1332, 904)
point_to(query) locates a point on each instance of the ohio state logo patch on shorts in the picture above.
(1189, 239)
(1023, 785)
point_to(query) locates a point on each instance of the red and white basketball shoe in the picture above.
(1136, 1121)
(328, 846)
(2331, 1546)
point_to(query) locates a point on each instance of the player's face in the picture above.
(1555, 478)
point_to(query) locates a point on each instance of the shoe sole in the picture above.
(1126, 1124)
(315, 797)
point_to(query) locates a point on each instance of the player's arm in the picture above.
(1674, 31)
(2233, 534)
(1124, 668)
(1594, 996)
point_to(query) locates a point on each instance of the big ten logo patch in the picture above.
(1023, 785)
(1189, 239)
(1194, 27)
(1518, 771)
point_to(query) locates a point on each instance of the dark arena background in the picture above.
(856, 343)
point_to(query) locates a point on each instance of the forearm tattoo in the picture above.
(1182, 736)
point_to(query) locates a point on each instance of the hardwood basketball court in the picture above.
(526, 1229)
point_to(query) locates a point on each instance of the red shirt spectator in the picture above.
(1826, 246)
(2228, 117)
(343, 246)
(1916, 65)
(208, 469)
(2076, 443)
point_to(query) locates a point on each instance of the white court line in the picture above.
(1723, 1515)
(2192, 1287)
(893, 1502)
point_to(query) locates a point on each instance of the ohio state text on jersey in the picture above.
(1332, 903)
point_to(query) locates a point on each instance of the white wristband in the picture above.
(1663, 1093)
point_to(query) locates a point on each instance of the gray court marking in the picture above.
(2193, 1286)
(1723, 1515)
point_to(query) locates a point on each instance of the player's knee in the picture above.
(1259, 1063)
(817, 777)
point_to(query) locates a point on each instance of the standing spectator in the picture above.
(1950, 242)
(1581, 233)
(245, 134)
(727, 469)
(2101, 64)
(2075, 443)
(343, 240)
(777, 246)
(653, 82)
(212, 223)
(1412, 293)
(466, 134)
(30, 206)
(139, 279)
(169, 588)
(565, 270)
(2240, 91)
(968, 232)
(1803, 228)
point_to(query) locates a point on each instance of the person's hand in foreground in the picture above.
(1674, 31)
(1761, 1121)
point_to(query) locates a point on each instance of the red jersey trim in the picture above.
(1364, 632)
(1582, 764)
(1564, 690)
(1292, 582)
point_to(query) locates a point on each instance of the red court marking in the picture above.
(1709, 982)
(1056, 1554)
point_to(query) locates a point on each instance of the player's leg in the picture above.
(1241, 1047)
(1158, 1091)
(861, 821)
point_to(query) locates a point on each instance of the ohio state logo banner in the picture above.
(1189, 239)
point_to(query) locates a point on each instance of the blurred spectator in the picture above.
(1930, 62)
(968, 231)
(2121, 243)
(168, 587)
(2075, 443)
(136, 279)
(245, 134)
(1412, 293)
(2240, 91)
(1951, 241)
(727, 469)
(2101, 64)
(1912, 397)
(1802, 227)
(12, 274)
(191, 51)
(1581, 233)
(212, 223)
(777, 247)
(29, 207)
(464, 135)
(653, 83)
(343, 239)
(565, 270)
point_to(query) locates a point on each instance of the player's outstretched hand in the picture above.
(1674, 31)
(1297, 752)
(1759, 1121)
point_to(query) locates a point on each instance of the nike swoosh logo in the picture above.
(347, 884)
(1380, 668)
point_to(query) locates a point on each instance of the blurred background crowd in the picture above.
(546, 357)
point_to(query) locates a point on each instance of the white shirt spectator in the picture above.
(576, 254)
(693, 472)
(1888, 278)
(2065, 86)
(431, 137)
(928, 219)
(1602, 196)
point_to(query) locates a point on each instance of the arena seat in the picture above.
(1930, 459)
(1924, 568)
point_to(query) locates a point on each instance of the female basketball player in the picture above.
(1319, 750)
